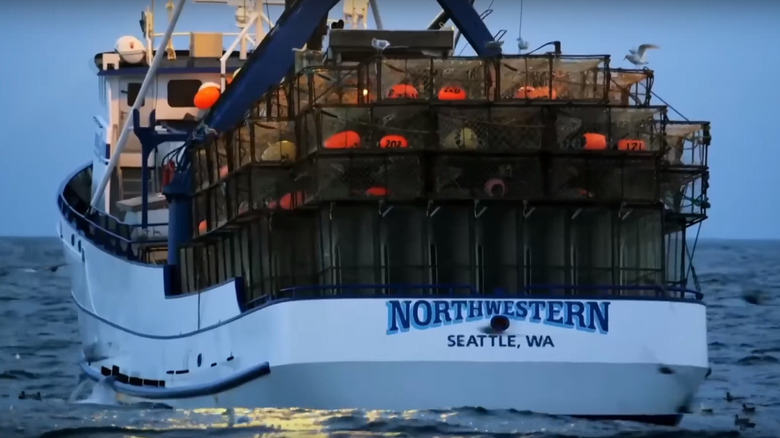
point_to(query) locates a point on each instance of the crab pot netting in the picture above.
(209, 210)
(489, 129)
(628, 87)
(335, 85)
(547, 77)
(273, 142)
(463, 177)
(642, 127)
(379, 127)
(433, 79)
(211, 162)
(687, 143)
(405, 79)
(605, 179)
(684, 192)
(252, 188)
(345, 127)
(393, 177)
(275, 104)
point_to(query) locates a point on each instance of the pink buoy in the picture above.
(495, 187)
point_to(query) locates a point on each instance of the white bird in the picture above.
(638, 56)
(522, 44)
(379, 45)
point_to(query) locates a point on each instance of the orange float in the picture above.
(402, 91)
(452, 92)
(287, 201)
(526, 92)
(545, 93)
(628, 144)
(207, 95)
(202, 227)
(393, 141)
(376, 191)
(342, 140)
(594, 141)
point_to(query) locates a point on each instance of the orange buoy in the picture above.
(526, 92)
(628, 144)
(202, 227)
(529, 92)
(545, 93)
(287, 202)
(207, 95)
(594, 141)
(342, 140)
(393, 141)
(376, 191)
(402, 91)
(452, 92)
(223, 171)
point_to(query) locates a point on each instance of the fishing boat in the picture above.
(374, 223)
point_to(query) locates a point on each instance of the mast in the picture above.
(126, 129)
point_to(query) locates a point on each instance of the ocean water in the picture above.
(39, 351)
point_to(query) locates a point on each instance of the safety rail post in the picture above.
(232, 48)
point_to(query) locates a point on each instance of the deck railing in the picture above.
(103, 230)
(540, 291)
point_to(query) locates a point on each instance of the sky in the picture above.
(718, 61)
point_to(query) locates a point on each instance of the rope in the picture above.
(654, 94)
(688, 251)
(520, 25)
(486, 9)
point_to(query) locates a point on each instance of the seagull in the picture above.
(522, 44)
(637, 56)
(379, 45)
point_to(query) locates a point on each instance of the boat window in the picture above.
(181, 92)
(133, 90)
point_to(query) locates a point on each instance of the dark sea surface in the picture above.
(39, 351)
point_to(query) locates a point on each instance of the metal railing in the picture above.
(540, 291)
(103, 230)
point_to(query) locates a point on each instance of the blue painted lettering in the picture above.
(539, 341)
(497, 341)
(587, 316)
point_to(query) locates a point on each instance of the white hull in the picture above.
(583, 389)
(337, 353)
